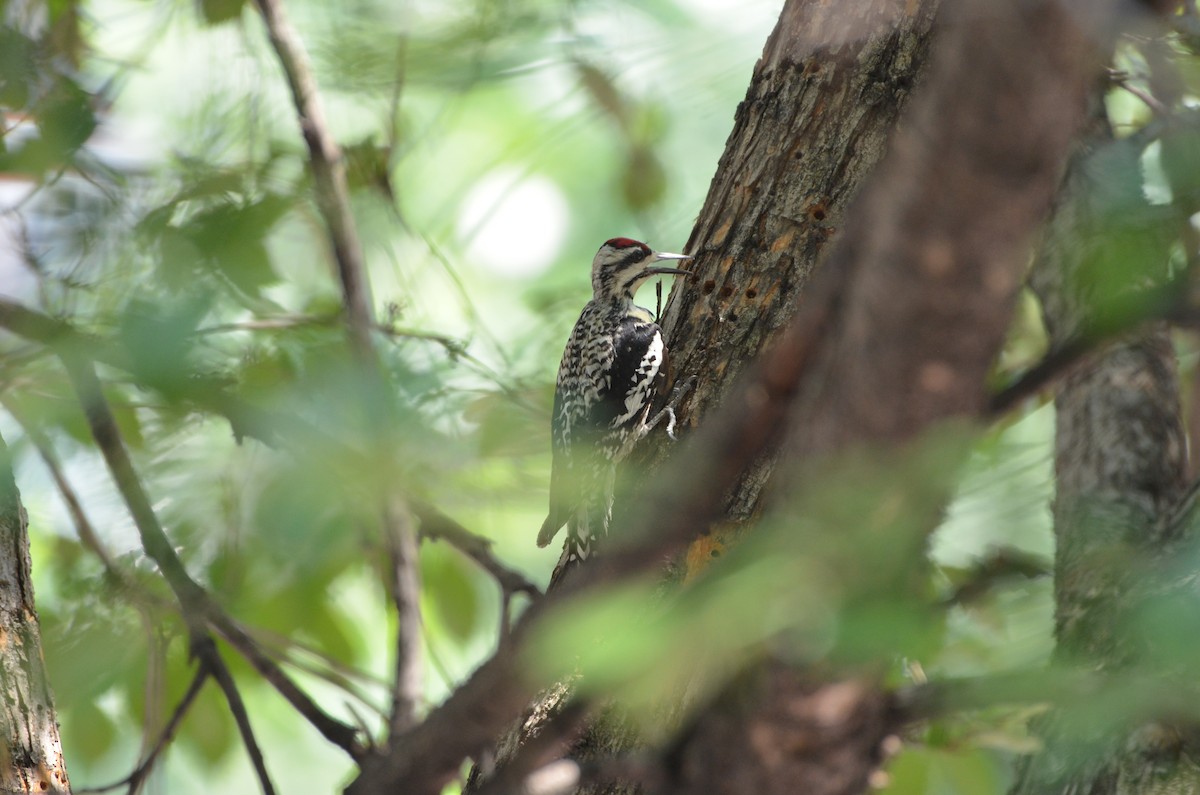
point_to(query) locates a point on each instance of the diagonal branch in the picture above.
(437, 526)
(329, 171)
(135, 778)
(406, 593)
(220, 672)
(333, 199)
(83, 526)
(197, 607)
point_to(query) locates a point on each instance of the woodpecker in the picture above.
(606, 382)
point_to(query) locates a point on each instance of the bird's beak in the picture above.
(665, 271)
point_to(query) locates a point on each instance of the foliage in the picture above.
(165, 208)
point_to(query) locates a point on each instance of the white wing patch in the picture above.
(638, 396)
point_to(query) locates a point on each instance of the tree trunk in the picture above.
(823, 100)
(1120, 468)
(822, 103)
(33, 759)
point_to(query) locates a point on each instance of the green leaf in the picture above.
(209, 728)
(450, 591)
(644, 182)
(159, 338)
(65, 119)
(231, 238)
(217, 11)
(87, 731)
(17, 68)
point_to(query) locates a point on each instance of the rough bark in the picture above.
(1120, 468)
(1037, 58)
(911, 308)
(914, 301)
(823, 101)
(32, 759)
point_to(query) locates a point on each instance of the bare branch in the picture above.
(333, 199)
(143, 769)
(197, 607)
(332, 194)
(237, 708)
(1002, 565)
(83, 526)
(340, 734)
(406, 593)
(436, 526)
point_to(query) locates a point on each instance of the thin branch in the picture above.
(143, 769)
(437, 526)
(104, 430)
(333, 199)
(1002, 565)
(83, 526)
(453, 346)
(1166, 302)
(405, 590)
(1123, 80)
(237, 708)
(157, 642)
(329, 170)
(197, 607)
(287, 650)
(341, 734)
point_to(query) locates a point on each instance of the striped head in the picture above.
(622, 265)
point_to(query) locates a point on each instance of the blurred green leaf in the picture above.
(159, 337)
(1180, 159)
(209, 729)
(644, 182)
(450, 591)
(65, 119)
(218, 11)
(18, 68)
(89, 733)
(231, 237)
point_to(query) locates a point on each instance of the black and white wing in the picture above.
(603, 393)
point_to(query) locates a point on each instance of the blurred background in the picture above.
(153, 189)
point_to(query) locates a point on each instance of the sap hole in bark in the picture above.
(709, 286)
(751, 293)
(726, 291)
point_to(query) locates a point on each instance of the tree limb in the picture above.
(333, 199)
(220, 672)
(135, 778)
(436, 526)
(329, 170)
(197, 607)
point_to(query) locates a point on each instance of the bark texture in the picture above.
(32, 758)
(897, 333)
(950, 211)
(823, 101)
(1120, 467)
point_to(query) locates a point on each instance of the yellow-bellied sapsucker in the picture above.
(606, 382)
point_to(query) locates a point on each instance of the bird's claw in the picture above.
(680, 391)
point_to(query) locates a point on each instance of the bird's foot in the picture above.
(680, 391)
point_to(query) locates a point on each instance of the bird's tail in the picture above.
(585, 528)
